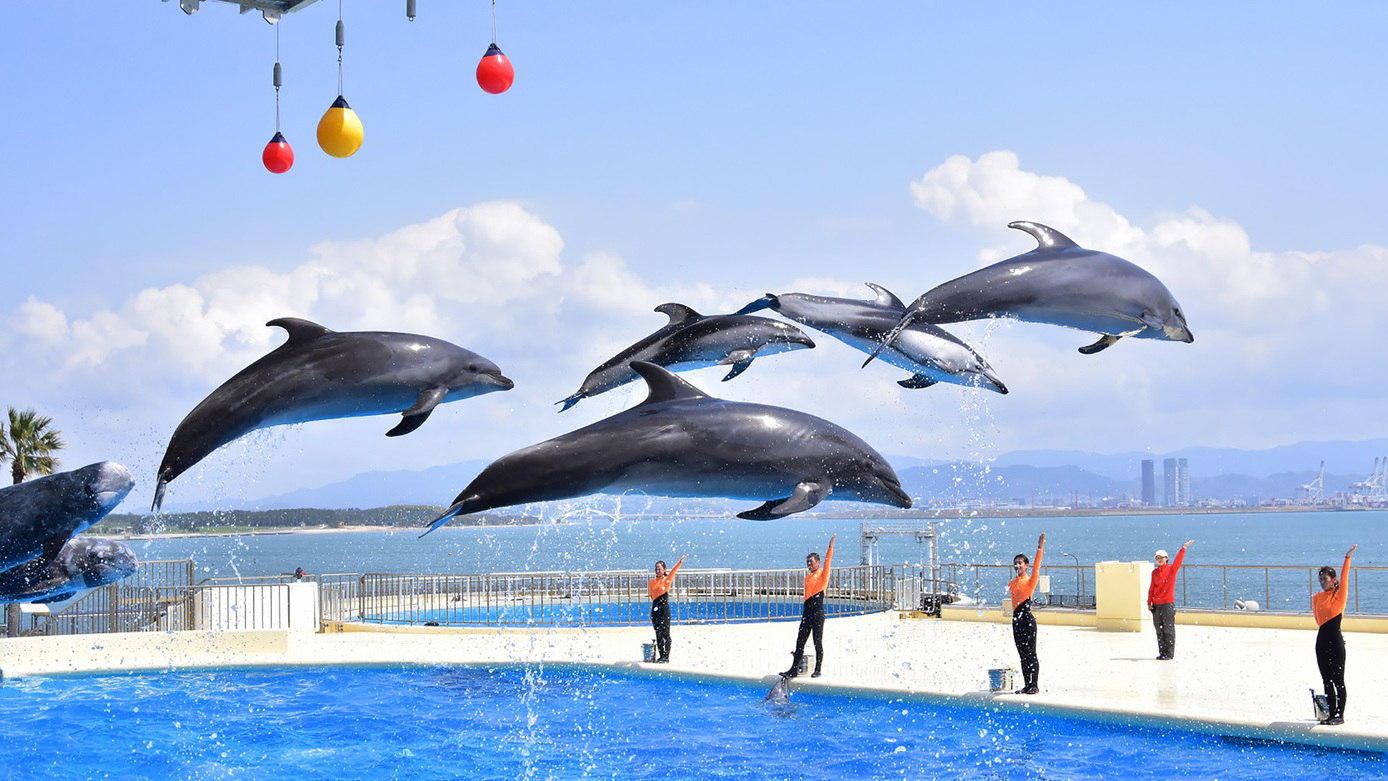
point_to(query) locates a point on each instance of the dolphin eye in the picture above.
(1177, 311)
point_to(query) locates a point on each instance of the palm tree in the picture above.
(29, 444)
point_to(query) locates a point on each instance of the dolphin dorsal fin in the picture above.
(664, 385)
(1046, 236)
(678, 313)
(885, 297)
(300, 330)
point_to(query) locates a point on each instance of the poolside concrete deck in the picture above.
(1233, 681)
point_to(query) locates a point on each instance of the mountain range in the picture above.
(1039, 476)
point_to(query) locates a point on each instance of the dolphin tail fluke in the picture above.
(887, 340)
(456, 509)
(765, 302)
(158, 495)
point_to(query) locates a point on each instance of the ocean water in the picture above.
(1303, 540)
(513, 722)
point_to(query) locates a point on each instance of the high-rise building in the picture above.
(1149, 483)
(1176, 481)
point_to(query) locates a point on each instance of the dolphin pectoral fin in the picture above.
(805, 496)
(415, 416)
(570, 401)
(1105, 342)
(917, 381)
(740, 360)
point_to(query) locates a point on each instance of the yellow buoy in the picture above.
(340, 131)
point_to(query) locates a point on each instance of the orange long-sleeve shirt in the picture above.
(1021, 588)
(815, 582)
(658, 586)
(1325, 605)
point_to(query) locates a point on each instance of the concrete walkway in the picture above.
(1233, 681)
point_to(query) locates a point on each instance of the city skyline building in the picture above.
(1149, 483)
(1176, 480)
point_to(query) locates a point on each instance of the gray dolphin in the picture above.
(780, 691)
(37, 517)
(682, 442)
(929, 352)
(81, 563)
(694, 341)
(321, 374)
(1060, 283)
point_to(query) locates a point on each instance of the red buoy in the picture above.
(278, 157)
(494, 72)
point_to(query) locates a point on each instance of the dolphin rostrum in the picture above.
(694, 341)
(682, 442)
(81, 563)
(321, 374)
(39, 516)
(1060, 283)
(929, 352)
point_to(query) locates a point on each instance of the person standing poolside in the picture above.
(812, 611)
(659, 589)
(1020, 588)
(1328, 607)
(1161, 601)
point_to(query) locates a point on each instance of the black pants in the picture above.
(1330, 657)
(1024, 635)
(1164, 619)
(660, 619)
(811, 622)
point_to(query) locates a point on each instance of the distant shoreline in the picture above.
(949, 514)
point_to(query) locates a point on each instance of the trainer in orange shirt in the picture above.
(1020, 589)
(812, 611)
(659, 589)
(1328, 606)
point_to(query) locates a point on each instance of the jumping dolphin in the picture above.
(39, 516)
(694, 341)
(682, 442)
(929, 352)
(321, 374)
(81, 563)
(1060, 283)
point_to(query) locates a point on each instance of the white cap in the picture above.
(1161, 554)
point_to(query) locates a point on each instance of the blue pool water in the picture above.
(613, 613)
(564, 722)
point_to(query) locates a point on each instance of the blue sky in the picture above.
(704, 153)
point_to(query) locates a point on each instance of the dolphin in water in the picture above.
(930, 353)
(39, 516)
(694, 341)
(320, 374)
(81, 563)
(682, 442)
(780, 691)
(1060, 283)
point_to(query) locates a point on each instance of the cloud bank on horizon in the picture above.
(494, 277)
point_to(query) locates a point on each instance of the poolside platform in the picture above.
(1244, 682)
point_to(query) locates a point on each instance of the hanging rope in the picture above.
(278, 78)
(341, 38)
(493, 22)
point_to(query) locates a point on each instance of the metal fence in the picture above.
(593, 598)
(1199, 586)
(161, 597)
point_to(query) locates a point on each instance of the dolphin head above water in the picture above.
(96, 562)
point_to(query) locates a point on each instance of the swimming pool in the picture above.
(610, 613)
(515, 722)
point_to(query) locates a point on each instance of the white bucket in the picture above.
(1002, 679)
